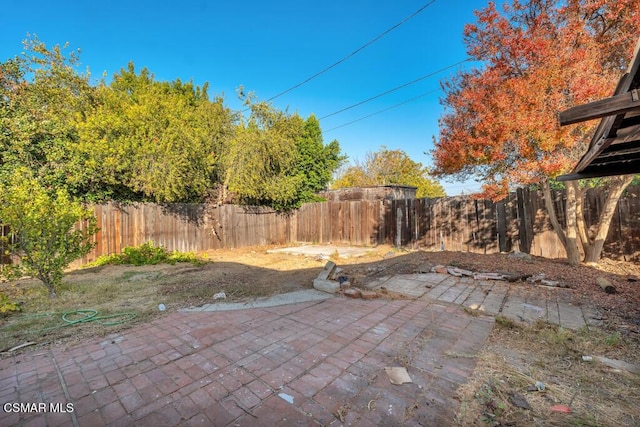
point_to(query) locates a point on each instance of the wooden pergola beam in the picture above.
(618, 104)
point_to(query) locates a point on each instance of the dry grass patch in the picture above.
(518, 357)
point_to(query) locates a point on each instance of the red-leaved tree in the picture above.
(500, 123)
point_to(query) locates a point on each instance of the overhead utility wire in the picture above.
(369, 43)
(386, 109)
(394, 89)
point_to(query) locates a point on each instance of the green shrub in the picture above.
(147, 254)
(43, 225)
(7, 306)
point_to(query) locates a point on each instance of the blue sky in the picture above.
(269, 46)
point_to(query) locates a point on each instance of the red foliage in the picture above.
(539, 58)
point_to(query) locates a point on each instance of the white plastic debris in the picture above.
(162, 307)
(286, 397)
(220, 295)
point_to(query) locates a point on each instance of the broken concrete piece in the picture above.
(619, 364)
(329, 269)
(397, 375)
(605, 285)
(536, 278)
(459, 272)
(369, 295)
(454, 272)
(352, 293)
(345, 285)
(549, 283)
(326, 285)
(488, 276)
(424, 268)
(440, 269)
(336, 273)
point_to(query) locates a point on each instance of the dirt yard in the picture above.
(515, 357)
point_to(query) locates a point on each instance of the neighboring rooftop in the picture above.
(377, 192)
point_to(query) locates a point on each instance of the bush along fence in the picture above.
(454, 223)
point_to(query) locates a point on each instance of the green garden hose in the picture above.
(76, 317)
(92, 316)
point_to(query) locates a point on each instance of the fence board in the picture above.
(459, 223)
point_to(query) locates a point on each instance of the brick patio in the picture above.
(300, 364)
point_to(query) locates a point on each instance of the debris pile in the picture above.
(330, 280)
(538, 279)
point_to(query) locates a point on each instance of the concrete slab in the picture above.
(521, 303)
(406, 284)
(571, 316)
(322, 251)
(274, 301)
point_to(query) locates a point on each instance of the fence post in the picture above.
(525, 239)
(501, 212)
(399, 218)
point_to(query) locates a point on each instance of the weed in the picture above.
(146, 254)
(556, 336)
(7, 306)
(492, 405)
(471, 311)
(506, 323)
(613, 340)
(342, 412)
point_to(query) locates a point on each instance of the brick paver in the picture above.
(314, 363)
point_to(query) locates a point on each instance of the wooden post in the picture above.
(501, 213)
(399, 227)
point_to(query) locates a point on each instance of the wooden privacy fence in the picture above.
(456, 223)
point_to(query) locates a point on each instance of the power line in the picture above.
(394, 89)
(369, 43)
(386, 109)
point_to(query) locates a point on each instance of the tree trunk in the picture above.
(617, 186)
(582, 227)
(50, 286)
(548, 203)
(573, 254)
(569, 241)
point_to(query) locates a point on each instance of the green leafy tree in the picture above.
(277, 159)
(262, 159)
(44, 230)
(42, 96)
(386, 167)
(150, 140)
(316, 162)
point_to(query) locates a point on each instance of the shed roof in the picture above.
(615, 146)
